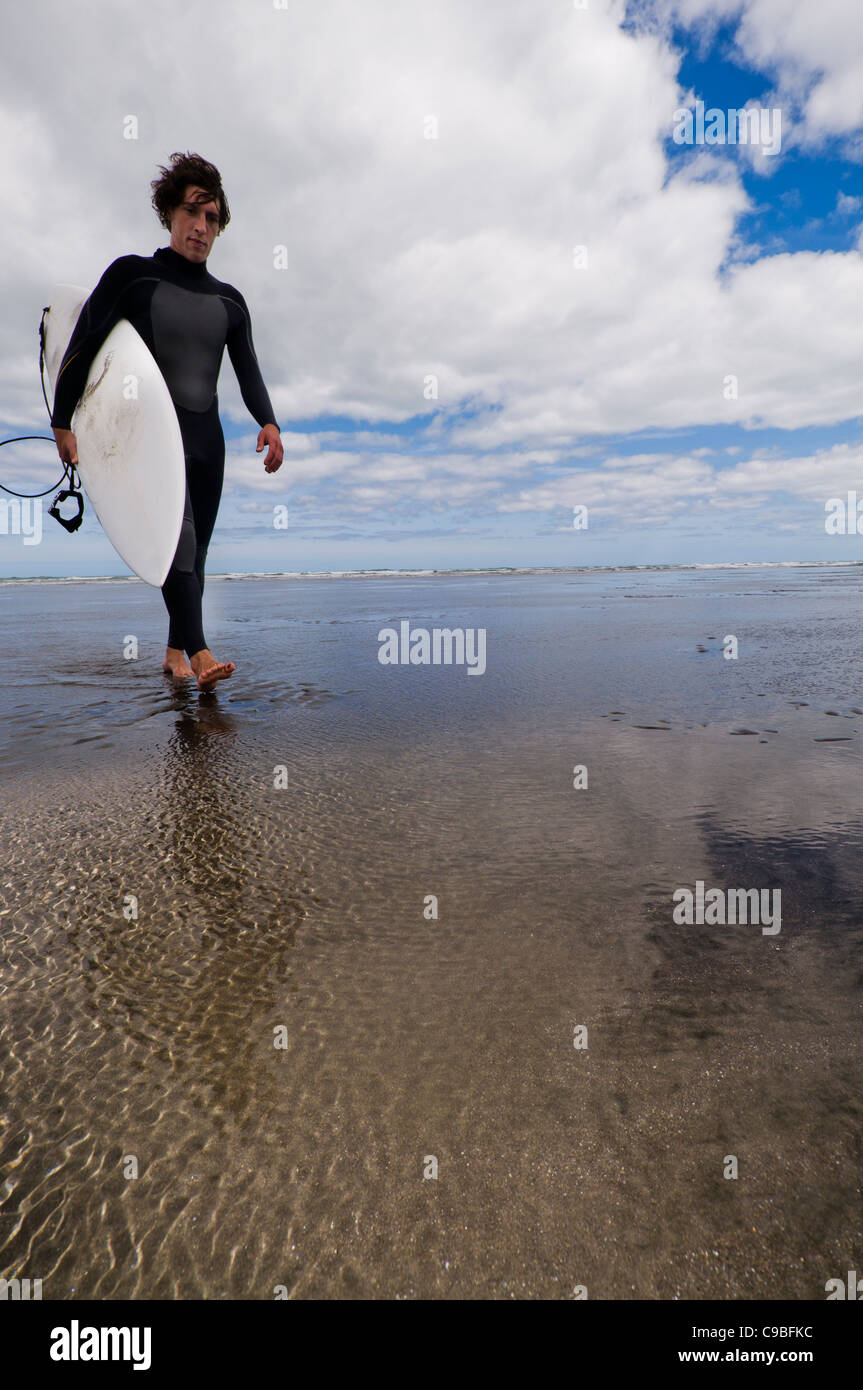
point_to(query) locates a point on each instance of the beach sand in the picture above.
(145, 1044)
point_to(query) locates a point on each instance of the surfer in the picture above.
(187, 318)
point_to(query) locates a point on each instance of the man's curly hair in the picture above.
(169, 190)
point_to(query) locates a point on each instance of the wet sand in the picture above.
(260, 908)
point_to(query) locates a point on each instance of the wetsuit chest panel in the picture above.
(189, 332)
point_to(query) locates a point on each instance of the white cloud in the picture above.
(814, 52)
(669, 484)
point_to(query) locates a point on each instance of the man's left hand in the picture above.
(270, 435)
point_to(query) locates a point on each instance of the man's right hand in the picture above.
(67, 446)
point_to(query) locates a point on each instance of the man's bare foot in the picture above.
(209, 670)
(176, 665)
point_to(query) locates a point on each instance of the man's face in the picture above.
(195, 224)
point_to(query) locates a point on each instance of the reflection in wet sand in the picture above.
(232, 1034)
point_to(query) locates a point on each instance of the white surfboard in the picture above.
(130, 449)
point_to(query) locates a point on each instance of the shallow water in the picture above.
(258, 908)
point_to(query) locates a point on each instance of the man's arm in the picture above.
(242, 354)
(101, 311)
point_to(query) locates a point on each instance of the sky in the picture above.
(532, 312)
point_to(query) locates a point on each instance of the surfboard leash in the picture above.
(71, 523)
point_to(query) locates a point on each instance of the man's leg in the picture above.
(182, 594)
(205, 475)
(205, 467)
(204, 487)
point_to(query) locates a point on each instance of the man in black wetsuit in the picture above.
(186, 317)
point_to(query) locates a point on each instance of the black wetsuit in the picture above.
(186, 317)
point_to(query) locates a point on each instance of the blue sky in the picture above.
(795, 208)
(431, 175)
